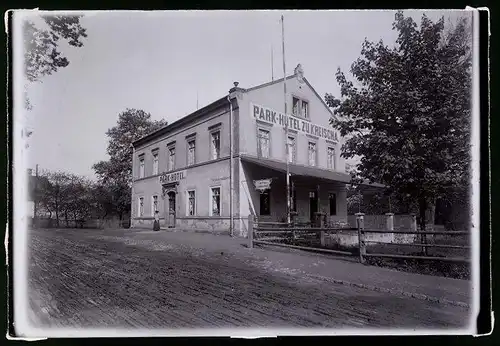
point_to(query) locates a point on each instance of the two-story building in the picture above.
(202, 170)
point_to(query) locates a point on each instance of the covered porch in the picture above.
(312, 190)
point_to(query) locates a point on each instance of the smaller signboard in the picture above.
(166, 177)
(262, 184)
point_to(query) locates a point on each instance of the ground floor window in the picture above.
(215, 201)
(140, 209)
(155, 205)
(332, 198)
(191, 203)
(265, 203)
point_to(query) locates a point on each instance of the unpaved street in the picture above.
(125, 278)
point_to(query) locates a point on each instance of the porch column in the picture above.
(318, 209)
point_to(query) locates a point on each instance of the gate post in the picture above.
(390, 225)
(361, 236)
(250, 230)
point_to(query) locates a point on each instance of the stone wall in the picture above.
(350, 238)
(210, 225)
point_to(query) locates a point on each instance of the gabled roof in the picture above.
(291, 77)
(217, 104)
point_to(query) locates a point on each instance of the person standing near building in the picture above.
(156, 225)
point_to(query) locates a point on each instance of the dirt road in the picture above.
(122, 278)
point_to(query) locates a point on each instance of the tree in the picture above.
(408, 116)
(42, 55)
(116, 173)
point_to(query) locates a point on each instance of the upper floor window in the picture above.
(191, 158)
(155, 162)
(331, 157)
(171, 158)
(300, 108)
(264, 143)
(305, 109)
(215, 145)
(141, 166)
(312, 154)
(291, 149)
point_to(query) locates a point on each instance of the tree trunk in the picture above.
(57, 214)
(66, 218)
(423, 211)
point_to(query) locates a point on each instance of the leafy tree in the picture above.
(116, 173)
(408, 113)
(42, 55)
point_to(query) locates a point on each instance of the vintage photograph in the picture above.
(245, 172)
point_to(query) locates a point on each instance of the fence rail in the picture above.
(282, 234)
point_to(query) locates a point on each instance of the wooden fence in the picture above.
(287, 235)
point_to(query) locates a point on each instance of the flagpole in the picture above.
(272, 64)
(286, 123)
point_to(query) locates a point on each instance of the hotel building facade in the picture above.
(200, 171)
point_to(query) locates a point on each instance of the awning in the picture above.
(295, 169)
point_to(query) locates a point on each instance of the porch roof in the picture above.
(300, 170)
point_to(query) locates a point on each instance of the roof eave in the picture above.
(164, 130)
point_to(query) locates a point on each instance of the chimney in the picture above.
(235, 88)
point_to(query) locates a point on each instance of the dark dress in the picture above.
(156, 225)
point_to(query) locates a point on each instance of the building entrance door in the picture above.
(313, 205)
(171, 209)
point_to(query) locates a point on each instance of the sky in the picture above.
(166, 63)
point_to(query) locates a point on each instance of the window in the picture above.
(265, 203)
(215, 201)
(171, 158)
(264, 143)
(191, 152)
(312, 154)
(300, 108)
(191, 210)
(155, 205)
(332, 198)
(291, 149)
(141, 166)
(215, 145)
(305, 109)
(140, 210)
(155, 163)
(295, 106)
(331, 157)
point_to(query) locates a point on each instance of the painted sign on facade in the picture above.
(166, 177)
(262, 184)
(273, 117)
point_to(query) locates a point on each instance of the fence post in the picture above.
(390, 224)
(250, 230)
(361, 236)
(413, 227)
